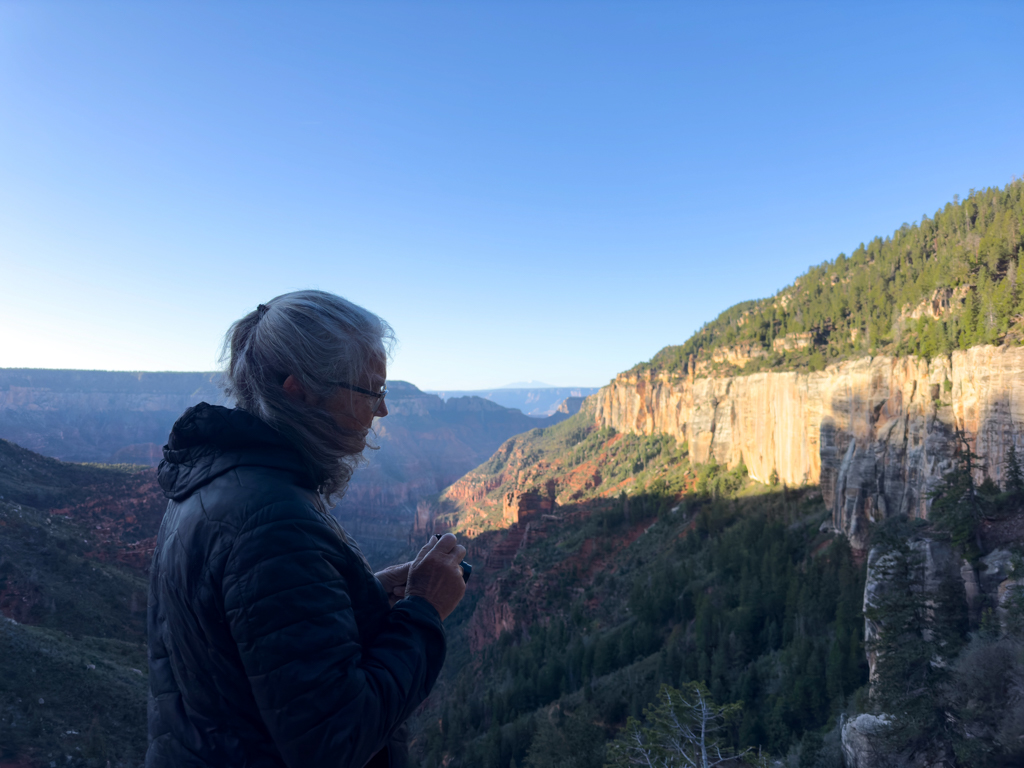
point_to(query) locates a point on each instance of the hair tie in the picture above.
(261, 310)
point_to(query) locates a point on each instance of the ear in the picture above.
(294, 389)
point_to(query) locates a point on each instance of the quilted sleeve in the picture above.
(324, 698)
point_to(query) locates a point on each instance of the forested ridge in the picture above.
(947, 282)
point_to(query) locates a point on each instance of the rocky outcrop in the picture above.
(523, 506)
(864, 745)
(937, 565)
(492, 617)
(1000, 584)
(737, 354)
(875, 433)
(793, 342)
(862, 741)
(570, 406)
(940, 574)
(942, 302)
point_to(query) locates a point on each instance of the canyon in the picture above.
(426, 444)
(76, 539)
(710, 515)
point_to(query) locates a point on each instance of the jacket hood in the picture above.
(209, 440)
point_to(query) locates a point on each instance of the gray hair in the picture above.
(318, 338)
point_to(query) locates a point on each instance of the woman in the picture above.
(271, 642)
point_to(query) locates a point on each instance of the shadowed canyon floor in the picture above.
(612, 565)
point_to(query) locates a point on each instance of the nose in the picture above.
(382, 410)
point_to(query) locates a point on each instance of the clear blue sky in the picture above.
(549, 190)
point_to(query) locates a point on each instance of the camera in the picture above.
(467, 569)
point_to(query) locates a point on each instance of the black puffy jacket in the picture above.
(270, 642)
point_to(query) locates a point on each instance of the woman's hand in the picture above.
(393, 579)
(436, 576)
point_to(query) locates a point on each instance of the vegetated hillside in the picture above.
(627, 567)
(537, 471)
(74, 544)
(947, 282)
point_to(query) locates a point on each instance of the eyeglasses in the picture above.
(378, 396)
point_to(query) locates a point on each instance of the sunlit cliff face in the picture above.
(875, 433)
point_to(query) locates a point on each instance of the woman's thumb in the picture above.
(425, 549)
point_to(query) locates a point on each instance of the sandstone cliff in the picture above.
(875, 433)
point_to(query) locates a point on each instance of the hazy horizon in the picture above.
(513, 386)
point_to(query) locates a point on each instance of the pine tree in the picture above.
(1014, 476)
(957, 507)
(567, 741)
(919, 631)
(682, 728)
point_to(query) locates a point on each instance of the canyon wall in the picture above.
(875, 433)
(98, 416)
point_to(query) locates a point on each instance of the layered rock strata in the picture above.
(875, 433)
